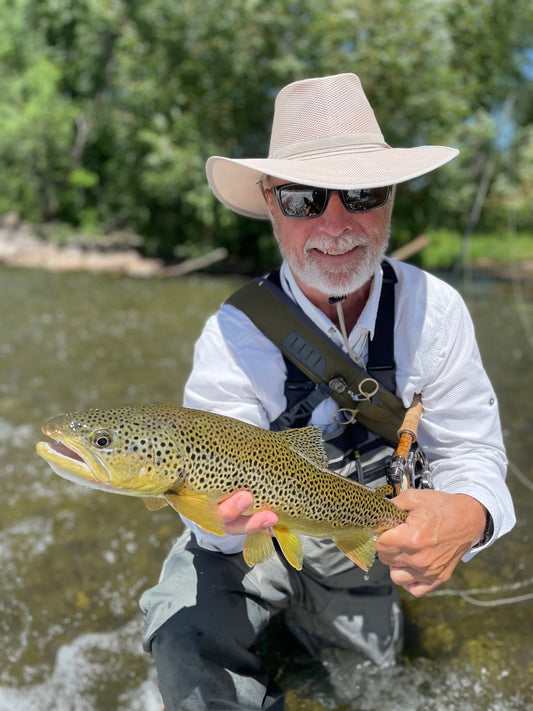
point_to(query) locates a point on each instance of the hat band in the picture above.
(331, 144)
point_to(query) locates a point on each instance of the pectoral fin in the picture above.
(291, 545)
(360, 547)
(153, 503)
(200, 509)
(258, 547)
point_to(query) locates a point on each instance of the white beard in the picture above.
(344, 279)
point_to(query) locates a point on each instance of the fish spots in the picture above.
(189, 451)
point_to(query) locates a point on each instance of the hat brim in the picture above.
(234, 181)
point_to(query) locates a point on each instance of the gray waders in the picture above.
(209, 608)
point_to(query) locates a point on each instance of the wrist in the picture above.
(478, 519)
(485, 526)
(487, 532)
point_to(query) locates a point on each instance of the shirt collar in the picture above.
(367, 319)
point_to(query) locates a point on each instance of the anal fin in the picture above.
(291, 546)
(200, 509)
(258, 547)
(359, 546)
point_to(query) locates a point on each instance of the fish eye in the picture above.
(102, 439)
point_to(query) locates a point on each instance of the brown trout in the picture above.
(192, 460)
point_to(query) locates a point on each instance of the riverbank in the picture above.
(119, 253)
(22, 245)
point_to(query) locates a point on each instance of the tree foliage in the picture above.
(109, 108)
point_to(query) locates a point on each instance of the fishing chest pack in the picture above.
(363, 446)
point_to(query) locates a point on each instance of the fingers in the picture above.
(423, 552)
(235, 505)
(233, 508)
(419, 589)
(419, 582)
(249, 524)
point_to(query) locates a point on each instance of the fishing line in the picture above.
(496, 603)
(522, 478)
(466, 594)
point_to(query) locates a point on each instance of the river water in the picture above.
(74, 561)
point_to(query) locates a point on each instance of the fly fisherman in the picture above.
(328, 189)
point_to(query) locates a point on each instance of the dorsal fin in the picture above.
(308, 443)
(385, 490)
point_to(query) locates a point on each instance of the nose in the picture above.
(335, 219)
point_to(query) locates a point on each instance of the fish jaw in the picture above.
(71, 456)
(67, 463)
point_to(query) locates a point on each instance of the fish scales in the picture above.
(193, 459)
(279, 478)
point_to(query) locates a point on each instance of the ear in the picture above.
(269, 198)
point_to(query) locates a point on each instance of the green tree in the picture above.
(109, 109)
(36, 120)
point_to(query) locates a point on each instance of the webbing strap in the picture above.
(286, 325)
(380, 364)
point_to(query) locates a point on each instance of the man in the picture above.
(328, 188)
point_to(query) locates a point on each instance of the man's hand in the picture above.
(232, 508)
(422, 553)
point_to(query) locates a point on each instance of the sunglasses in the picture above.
(303, 201)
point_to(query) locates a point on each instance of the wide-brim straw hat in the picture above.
(324, 134)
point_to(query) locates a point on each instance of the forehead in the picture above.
(271, 182)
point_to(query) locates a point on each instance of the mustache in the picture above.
(343, 243)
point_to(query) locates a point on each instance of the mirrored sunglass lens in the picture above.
(365, 199)
(301, 201)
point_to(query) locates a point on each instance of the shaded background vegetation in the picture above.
(109, 108)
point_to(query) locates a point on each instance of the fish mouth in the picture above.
(71, 464)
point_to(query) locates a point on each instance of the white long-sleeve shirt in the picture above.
(238, 372)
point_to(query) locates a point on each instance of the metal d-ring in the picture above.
(372, 388)
(349, 420)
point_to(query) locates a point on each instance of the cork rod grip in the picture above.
(408, 430)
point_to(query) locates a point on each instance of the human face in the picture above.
(335, 253)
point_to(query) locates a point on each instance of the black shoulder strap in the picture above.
(286, 325)
(380, 364)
